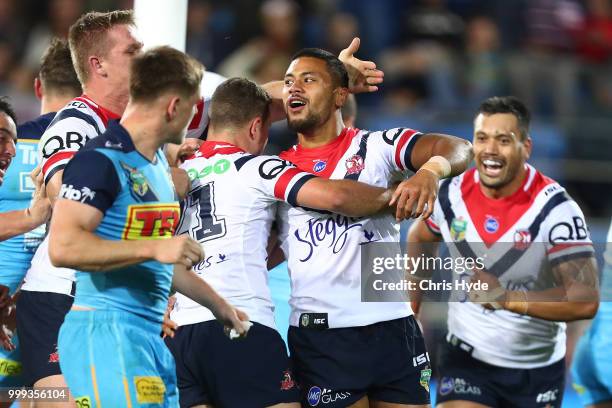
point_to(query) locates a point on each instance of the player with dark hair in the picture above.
(506, 347)
(232, 203)
(117, 197)
(55, 85)
(346, 351)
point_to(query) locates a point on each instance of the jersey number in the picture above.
(209, 226)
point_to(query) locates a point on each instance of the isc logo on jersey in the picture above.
(151, 221)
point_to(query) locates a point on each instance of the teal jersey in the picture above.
(16, 194)
(138, 200)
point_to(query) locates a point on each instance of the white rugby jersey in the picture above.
(229, 210)
(502, 232)
(323, 250)
(79, 121)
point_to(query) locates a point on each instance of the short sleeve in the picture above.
(396, 146)
(90, 178)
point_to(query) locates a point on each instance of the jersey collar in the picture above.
(210, 148)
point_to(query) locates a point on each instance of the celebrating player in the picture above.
(55, 85)
(229, 210)
(117, 197)
(346, 351)
(508, 349)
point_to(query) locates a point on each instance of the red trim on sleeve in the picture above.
(432, 225)
(561, 247)
(280, 188)
(56, 158)
(404, 138)
(104, 114)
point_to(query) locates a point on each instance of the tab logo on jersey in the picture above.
(220, 167)
(149, 390)
(354, 164)
(319, 166)
(83, 194)
(491, 224)
(457, 229)
(151, 221)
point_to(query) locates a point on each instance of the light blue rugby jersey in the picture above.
(16, 194)
(138, 200)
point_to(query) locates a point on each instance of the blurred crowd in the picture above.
(439, 56)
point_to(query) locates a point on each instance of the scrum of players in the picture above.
(84, 302)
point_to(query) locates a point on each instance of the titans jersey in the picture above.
(229, 209)
(138, 200)
(15, 194)
(323, 251)
(79, 121)
(520, 238)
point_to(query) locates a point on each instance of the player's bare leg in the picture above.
(362, 403)
(461, 404)
(603, 404)
(283, 405)
(53, 381)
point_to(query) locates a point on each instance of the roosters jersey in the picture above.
(138, 201)
(16, 194)
(229, 210)
(79, 121)
(323, 250)
(520, 239)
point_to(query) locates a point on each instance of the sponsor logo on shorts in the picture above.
(54, 357)
(149, 390)
(83, 402)
(425, 377)
(287, 382)
(314, 396)
(325, 396)
(9, 368)
(548, 396)
(151, 221)
(458, 386)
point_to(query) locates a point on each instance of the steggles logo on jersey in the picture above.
(354, 164)
(457, 229)
(522, 239)
(334, 229)
(319, 166)
(491, 224)
(74, 194)
(151, 221)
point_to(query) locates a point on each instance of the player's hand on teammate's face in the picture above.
(363, 75)
(494, 296)
(416, 196)
(180, 249)
(169, 326)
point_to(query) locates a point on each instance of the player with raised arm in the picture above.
(230, 209)
(55, 85)
(592, 363)
(507, 347)
(347, 352)
(117, 197)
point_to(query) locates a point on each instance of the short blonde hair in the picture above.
(87, 37)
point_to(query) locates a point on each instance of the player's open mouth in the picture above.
(295, 105)
(492, 167)
(4, 163)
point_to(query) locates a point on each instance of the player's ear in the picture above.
(95, 66)
(340, 96)
(172, 107)
(255, 128)
(38, 88)
(527, 146)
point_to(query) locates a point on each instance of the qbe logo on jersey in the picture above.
(151, 221)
